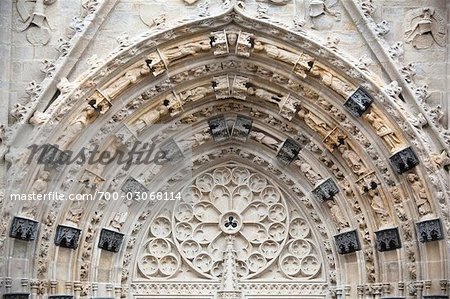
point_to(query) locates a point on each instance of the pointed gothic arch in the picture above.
(168, 89)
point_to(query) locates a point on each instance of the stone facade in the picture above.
(291, 148)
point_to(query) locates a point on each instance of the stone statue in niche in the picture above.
(322, 15)
(86, 117)
(420, 194)
(378, 206)
(152, 116)
(265, 95)
(131, 76)
(352, 159)
(121, 216)
(302, 62)
(41, 183)
(75, 213)
(264, 139)
(332, 80)
(315, 122)
(440, 160)
(178, 52)
(383, 130)
(195, 94)
(312, 176)
(336, 215)
(426, 26)
(32, 15)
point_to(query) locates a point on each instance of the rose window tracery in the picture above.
(236, 203)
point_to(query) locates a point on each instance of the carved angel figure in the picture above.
(426, 26)
(420, 193)
(182, 51)
(265, 95)
(152, 116)
(264, 139)
(277, 53)
(353, 160)
(87, 116)
(383, 130)
(130, 77)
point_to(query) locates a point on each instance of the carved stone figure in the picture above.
(121, 216)
(332, 80)
(426, 26)
(195, 94)
(86, 117)
(152, 116)
(265, 95)
(332, 43)
(440, 160)
(32, 14)
(315, 122)
(312, 176)
(75, 213)
(192, 48)
(336, 215)
(262, 138)
(363, 62)
(131, 76)
(378, 206)
(353, 160)
(41, 183)
(383, 130)
(420, 193)
(394, 90)
(277, 53)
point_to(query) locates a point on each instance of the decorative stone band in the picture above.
(288, 151)
(326, 190)
(16, 296)
(430, 230)
(388, 239)
(67, 236)
(110, 240)
(435, 297)
(24, 229)
(60, 297)
(359, 102)
(347, 242)
(404, 160)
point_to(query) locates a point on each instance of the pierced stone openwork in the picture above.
(231, 202)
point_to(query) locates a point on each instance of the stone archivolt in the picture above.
(168, 96)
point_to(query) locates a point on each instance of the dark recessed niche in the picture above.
(359, 102)
(347, 242)
(404, 160)
(288, 151)
(24, 229)
(67, 236)
(388, 239)
(110, 240)
(430, 230)
(242, 127)
(218, 128)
